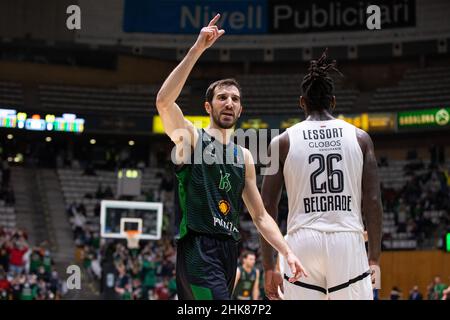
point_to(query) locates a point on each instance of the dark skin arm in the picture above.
(371, 197)
(271, 190)
(371, 205)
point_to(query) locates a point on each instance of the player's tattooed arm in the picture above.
(171, 114)
(371, 197)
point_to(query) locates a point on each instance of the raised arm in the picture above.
(171, 114)
(371, 198)
(263, 221)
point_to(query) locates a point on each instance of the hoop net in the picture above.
(132, 238)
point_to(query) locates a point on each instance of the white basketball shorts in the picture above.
(336, 264)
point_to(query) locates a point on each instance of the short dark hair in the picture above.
(247, 253)
(317, 85)
(220, 83)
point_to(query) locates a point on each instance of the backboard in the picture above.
(116, 217)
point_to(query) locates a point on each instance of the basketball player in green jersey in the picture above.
(247, 279)
(211, 190)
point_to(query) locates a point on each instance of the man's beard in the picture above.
(221, 124)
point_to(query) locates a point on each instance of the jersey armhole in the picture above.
(288, 152)
(357, 142)
(180, 167)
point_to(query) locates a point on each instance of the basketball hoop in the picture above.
(132, 238)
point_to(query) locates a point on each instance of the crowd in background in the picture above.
(26, 272)
(148, 273)
(420, 196)
(436, 290)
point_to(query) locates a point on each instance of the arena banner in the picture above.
(198, 121)
(119, 124)
(291, 16)
(262, 16)
(372, 122)
(189, 16)
(428, 118)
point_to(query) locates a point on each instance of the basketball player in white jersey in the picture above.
(330, 172)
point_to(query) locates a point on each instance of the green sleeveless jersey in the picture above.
(244, 287)
(210, 188)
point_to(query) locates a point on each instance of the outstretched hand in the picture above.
(209, 34)
(295, 266)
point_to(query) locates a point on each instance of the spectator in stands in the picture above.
(415, 294)
(396, 293)
(35, 261)
(42, 274)
(123, 287)
(96, 269)
(16, 250)
(54, 283)
(162, 290)
(438, 288)
(148, 275)
(446, 294)
(4, 257)
(401, 216)
(137, 289)
(4, 285)
(28, 292)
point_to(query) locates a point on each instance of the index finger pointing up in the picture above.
(214, 20)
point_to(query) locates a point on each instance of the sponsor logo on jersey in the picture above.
(224, 183)
(224, 207)
(227, 225)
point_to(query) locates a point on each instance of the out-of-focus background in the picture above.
(78, 125)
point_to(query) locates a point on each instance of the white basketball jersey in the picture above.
(323, 173)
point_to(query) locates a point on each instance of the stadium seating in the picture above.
(419, 88)
(279, 94)
(79, 188)
(138, 100)
(11, 95)
(7, 216)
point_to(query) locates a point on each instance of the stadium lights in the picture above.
(18, 158)
(92, 141)
(10, 137)
(48, 139)
(131, 143)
